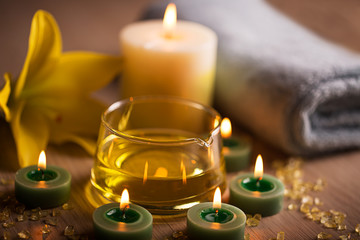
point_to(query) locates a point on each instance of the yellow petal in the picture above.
(88, 144)
(76, 114)
(43, 51)
(80, 73)
(78, 121)
(4, 96)
(31, 133)
(72, 119)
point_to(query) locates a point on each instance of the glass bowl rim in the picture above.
(116, 105)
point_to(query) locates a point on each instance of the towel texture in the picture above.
(283, 82)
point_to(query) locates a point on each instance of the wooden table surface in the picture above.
(335, 20)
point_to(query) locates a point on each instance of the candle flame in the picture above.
(169, 20)
(183, 170)
(125, 199)
(145, 172)
(259, 169)
(42, 161)
(217, 198)
(225, 128)
(161, 172)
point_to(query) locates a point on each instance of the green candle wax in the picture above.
(253, 196)
(236, 153)
(110, 222)
(216, 215)
(42, 188)
(256, 184)
(202, 222)
(125, 216)
(41, 175)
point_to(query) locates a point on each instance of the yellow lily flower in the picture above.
(50, 101)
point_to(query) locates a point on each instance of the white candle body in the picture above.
(181, 65)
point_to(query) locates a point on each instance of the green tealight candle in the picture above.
(122, 221)
(262, 195)
(236, 150)
(224, 221)
(44, 187)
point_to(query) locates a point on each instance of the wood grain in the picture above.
(341, 194)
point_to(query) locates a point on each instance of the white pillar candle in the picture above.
(177, 60)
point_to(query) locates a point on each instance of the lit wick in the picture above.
(216, 215)
(42, 164)
(217, 202)
(124, 202)
(169, 20)
(42, 173)
(259, 169)
(258, 182)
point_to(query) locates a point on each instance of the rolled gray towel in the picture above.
(287, 85)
